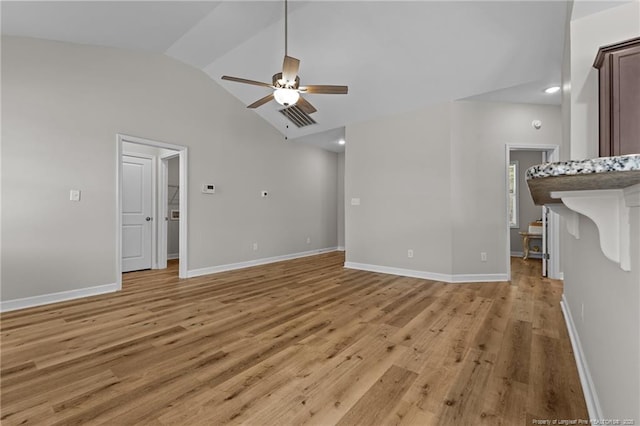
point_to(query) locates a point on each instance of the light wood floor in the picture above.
(301, 341)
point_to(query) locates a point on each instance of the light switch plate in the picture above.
(208, 188)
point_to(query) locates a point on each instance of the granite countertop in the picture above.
(582, 167)
(597, 173)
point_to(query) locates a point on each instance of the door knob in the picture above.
(147, 218)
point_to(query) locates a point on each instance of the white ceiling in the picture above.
(395, 56)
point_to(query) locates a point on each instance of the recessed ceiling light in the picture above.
(341, 142)
(552, 89)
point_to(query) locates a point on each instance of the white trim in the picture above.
(553, 245)
(182, 151)
(138, 155)
(256, 262)
(516, 193)
(478, 278)
(162, 213)
(538, 147)
(150, 142)
(517, 254)
(434, 276)
(608, 209)
(182, 238)
(340, 248)
(118, 265)
(45, 299)
(169, 155)
(173, 256)
(163, 209)
(588, 388)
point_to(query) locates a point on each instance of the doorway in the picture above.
(527, 224)
(143, 213)
(169, 228)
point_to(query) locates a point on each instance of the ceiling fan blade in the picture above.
(324, 89)
(290, 68)
(244, 80)
(304, 105)
(261, 101)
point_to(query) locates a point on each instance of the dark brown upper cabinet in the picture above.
(619, 68)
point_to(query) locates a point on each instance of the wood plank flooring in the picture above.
(297, 342)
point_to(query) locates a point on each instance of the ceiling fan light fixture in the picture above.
(286, 97)
(286, 85)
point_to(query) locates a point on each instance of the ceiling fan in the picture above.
(286, 84)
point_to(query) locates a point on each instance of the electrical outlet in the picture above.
(410, 253)
(308, 240)
(483, 256)
(255, 246)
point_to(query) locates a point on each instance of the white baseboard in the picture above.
(340, 248)
(173, 256)
(256, 262)
(398, 271)
(478, 278)
(434, 276)
(588, 388)
(45, 299)
(517, 254)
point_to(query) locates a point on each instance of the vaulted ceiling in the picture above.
(395, 56)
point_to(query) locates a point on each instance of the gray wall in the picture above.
(173, 226)
(480, 131)
(609, 297)
(527, 211)
(62, 106)
(565, 110)
(399, 168)
(433, 181)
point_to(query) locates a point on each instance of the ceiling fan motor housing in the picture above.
(277, 82)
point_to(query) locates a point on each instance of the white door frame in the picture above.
(163, 209)
(183, 153)
(551, 153)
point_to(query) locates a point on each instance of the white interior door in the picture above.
(136, 213)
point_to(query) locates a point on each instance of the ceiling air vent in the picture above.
(298, 116)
